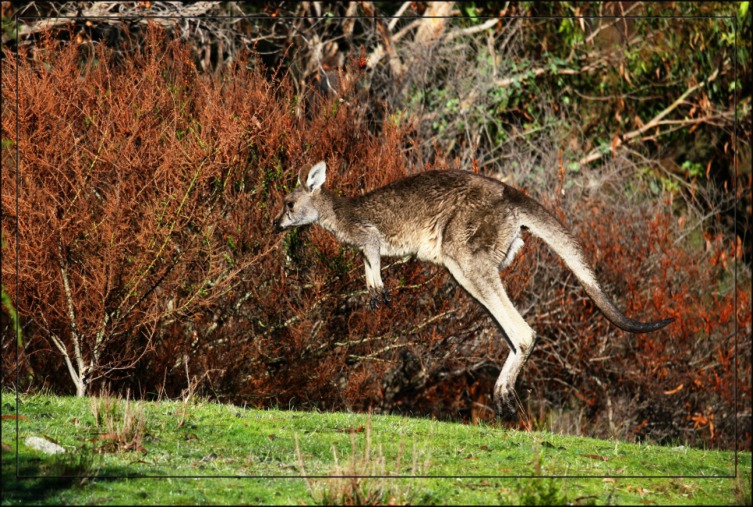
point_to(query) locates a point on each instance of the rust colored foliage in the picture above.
(147, 260)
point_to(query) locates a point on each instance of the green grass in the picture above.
(208, 439)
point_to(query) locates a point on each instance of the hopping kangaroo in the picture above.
(466, 222)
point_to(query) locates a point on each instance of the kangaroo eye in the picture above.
(289, 205)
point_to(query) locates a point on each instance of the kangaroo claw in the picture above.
(506, 407)
(386, 298)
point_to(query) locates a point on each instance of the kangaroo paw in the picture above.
(374, 301)
(386, 297)
(505, 407)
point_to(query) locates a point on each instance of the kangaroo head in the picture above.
(298, 207)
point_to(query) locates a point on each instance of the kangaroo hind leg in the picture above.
(486, 287)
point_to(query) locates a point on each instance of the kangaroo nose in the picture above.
(276, 226)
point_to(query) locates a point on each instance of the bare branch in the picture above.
(470, 30)
(75, 335)
(75, 377)
(396, 17)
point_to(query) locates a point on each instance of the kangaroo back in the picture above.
(546, 226)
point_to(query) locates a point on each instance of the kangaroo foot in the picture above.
(506, 406)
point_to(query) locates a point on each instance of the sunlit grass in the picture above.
(230, 455)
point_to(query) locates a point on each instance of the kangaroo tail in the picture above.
(546, 226)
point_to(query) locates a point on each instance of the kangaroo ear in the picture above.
(312, 179)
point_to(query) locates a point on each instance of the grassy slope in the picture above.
(224, 440)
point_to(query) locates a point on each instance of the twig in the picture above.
(471, 29)
(656, 121)
(396, 18)
(407, 28)
(543, 70)
(168, 237)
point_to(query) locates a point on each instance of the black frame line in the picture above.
(374, 17)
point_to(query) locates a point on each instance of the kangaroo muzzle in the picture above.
(276, 225)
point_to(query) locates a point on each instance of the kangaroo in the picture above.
(463, 221)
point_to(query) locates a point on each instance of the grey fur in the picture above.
(466, 222)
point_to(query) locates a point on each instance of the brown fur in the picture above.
(466, 222)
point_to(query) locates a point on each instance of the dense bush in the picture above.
(147, 261)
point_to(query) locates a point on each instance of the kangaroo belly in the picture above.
(425, 246)
(430, 251)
